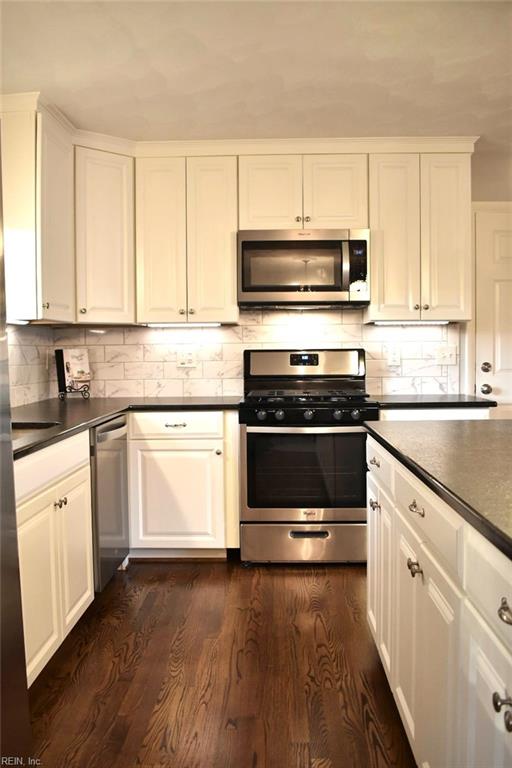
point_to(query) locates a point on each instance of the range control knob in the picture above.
(356, 414)
(338, 415)
(308, 415)
(261, 415)
(279, 415)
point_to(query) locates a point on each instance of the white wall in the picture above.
(491, 176)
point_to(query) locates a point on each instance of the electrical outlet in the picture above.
(446, 354)
(393, 357)
(187, 357)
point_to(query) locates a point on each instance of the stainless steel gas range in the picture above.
(303, 460)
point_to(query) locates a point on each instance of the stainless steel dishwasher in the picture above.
(109, 498)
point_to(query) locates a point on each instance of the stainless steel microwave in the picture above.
(303, 267)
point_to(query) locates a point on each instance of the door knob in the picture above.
(486, 389)
(486, 367)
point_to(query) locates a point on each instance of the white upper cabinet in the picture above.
(186, 222)
(336, 191)
(446, 237)
(37, 182)
(161, 239)
(293, 191)
(395, 237)
(420, 271)
(270, 192)
(211, 239)
(104, 237)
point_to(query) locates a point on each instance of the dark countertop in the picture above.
(77, 415)
(434, 401)
(467, 463)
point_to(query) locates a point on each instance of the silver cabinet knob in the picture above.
(307, 218)
(504, 611)
(426, 306)
(417, 306)
(374, 505)
(414, 567)
(83, 310)
(46, 305)
(374, 460)
(486, 367)
(65, 500)
(486, 389)
(508, 720)
(182, 311)
(413, 507)
(298, 218)
(498, 702)
(191, 311)
(218, 452)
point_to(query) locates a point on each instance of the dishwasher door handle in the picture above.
(112, 434)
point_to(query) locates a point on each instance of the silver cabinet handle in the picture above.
(414, 567)
(307, 218)
(218, 452)
(498, 702)
(182, 312)
(298, 218)
(417, 306)
(486, 367)
(508, 720)
(426, 306)
(504, 611)
(46, 305)
(413, 507)
(374, 460)
(486, 389)
(181, 424)
(374, 505)
(83, 310)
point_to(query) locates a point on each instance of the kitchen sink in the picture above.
(31, 425)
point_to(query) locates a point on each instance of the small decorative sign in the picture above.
(73, 372)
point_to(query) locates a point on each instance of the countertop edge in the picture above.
(496, 537)
(435, 405)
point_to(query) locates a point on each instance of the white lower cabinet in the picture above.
(176, 493)
(445, 659)
(56, 566)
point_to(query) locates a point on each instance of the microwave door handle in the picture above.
(345, 266)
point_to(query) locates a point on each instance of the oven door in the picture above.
(303, 474)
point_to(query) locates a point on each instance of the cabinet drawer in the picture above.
(379, 463)
(176, 424)
(488, 580)
(435, 522)
(36, 471)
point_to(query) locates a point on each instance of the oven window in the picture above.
(306, 470)
(290, 266)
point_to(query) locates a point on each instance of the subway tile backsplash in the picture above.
(139, 361)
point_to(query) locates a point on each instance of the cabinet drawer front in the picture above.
(380, 464)
(434, 521)
(38, 470)
(488, 580)
(176, 424)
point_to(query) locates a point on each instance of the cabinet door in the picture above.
(395, 237)
(437, 665)
(446, 237)
(176, 494)
(56, 247)
(336, 191)
(270, 192)
(161, 240)
(104, 237)
(487, 669)
(75, 537)
(40, 590)
(385, 582)
(211, 239)
(372, 567)
(406, 617)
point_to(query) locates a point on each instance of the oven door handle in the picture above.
(334, 430)
(309, 534)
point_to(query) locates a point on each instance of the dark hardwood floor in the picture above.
(199, 665)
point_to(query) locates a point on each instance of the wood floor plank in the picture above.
(211, 665)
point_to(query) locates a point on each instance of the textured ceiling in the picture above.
(166, 70)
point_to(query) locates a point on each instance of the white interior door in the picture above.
(493, 241)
